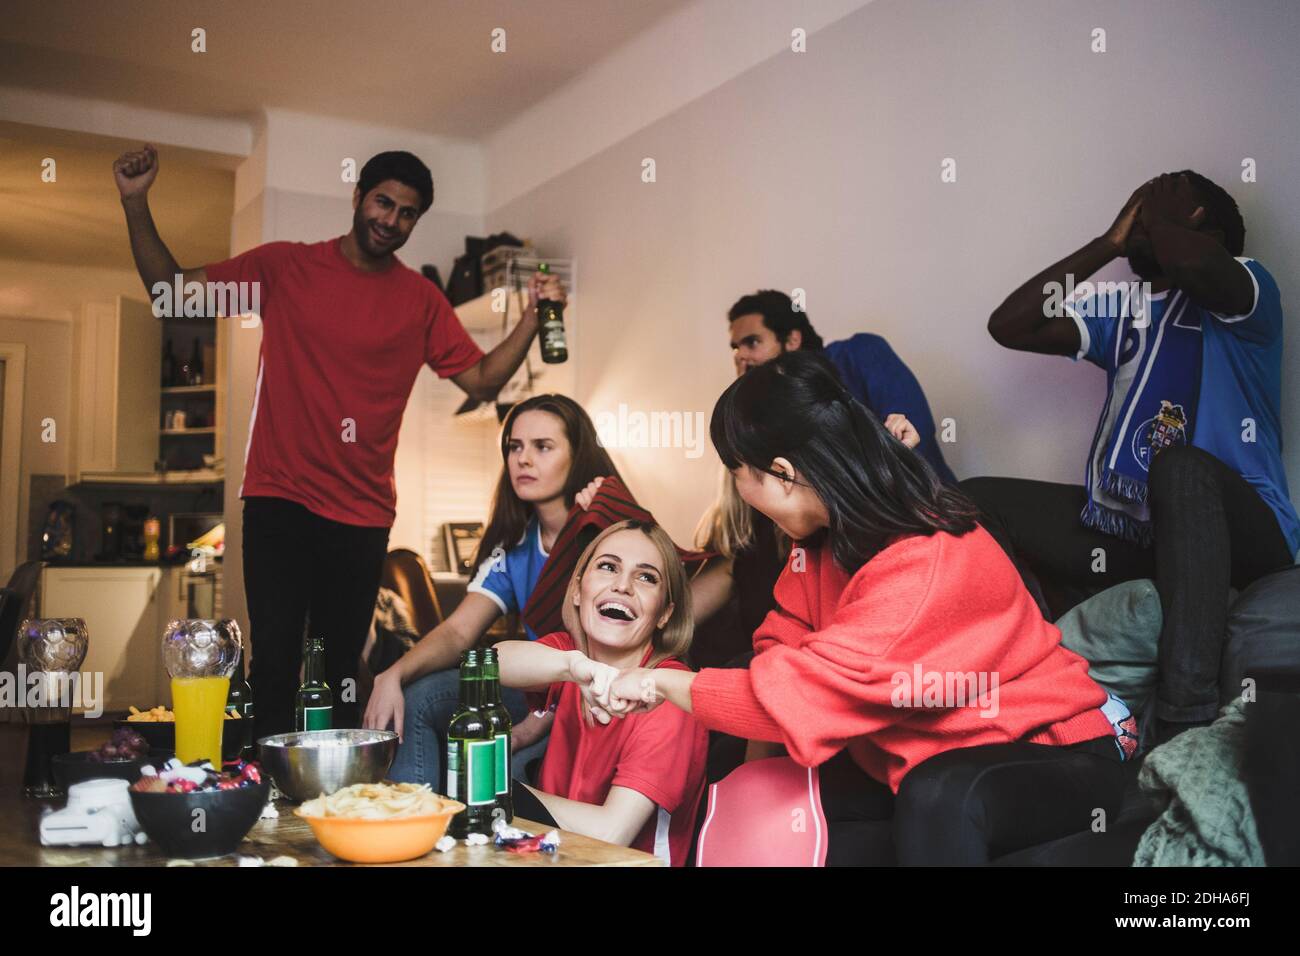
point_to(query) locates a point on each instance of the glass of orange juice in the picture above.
(200, 657)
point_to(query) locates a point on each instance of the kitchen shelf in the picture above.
(198, 476)
(187, 431)
(188, 389)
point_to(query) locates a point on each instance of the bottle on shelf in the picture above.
(471, 754)
(499, 718)
(152, 528)
(314, 708)
(168, 366)
(194, 367)
(550, 319)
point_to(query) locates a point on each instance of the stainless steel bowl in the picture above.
(308, 763)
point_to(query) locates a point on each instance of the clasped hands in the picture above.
(609, 692)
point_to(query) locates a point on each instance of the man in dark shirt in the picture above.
(765, 324)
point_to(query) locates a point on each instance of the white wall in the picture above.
(821, 170)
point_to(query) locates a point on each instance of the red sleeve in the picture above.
(723, 698)
(543, 700)
(261, 264)
(449, 349)
(833, 685)
(791, 617)
(659, 758)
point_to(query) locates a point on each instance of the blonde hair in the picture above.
(728, 526)
(674, 638)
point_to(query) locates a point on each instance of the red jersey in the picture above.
(660, 754)
(340, 351)
(933, 644)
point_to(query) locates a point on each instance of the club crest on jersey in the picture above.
(1168, 428)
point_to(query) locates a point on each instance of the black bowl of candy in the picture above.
(120, 758)
(161, 735)
(193, 812)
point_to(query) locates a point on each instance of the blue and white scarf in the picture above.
(1151, 406)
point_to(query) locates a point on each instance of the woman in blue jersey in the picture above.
(550, 454)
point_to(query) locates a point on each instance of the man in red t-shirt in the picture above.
(346, 328)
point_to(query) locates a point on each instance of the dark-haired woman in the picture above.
(550, 455)
(902, 634)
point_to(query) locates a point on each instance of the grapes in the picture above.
(125, 744)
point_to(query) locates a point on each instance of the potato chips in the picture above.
(161, 715)
(378, 801)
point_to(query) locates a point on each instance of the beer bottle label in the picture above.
(553, 333)
(455, 748)
(481, 782)
(502, 763)
(317, 718)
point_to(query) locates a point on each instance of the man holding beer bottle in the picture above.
(346, 328)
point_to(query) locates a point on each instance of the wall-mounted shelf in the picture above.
(188, 389)
(187, 431)
(198, 476)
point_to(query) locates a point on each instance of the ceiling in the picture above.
(416, 64)
(424, 65)
(77, 219)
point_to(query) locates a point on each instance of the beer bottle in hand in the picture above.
(471, 754)
(499, 718)
(315, 705)
(550, 319)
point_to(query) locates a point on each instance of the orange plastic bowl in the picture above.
(359, 840)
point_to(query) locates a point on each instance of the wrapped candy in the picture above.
(514, 840)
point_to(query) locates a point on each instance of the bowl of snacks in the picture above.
(379, 822)
(158, 727)
(309, 763)
(194, 812)
(119, 759)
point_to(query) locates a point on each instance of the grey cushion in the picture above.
(1263, 631)
(1117, 632)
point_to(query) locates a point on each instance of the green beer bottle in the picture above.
(315, 704)
(550, 323)
(471, 754)
(499, 718)
(240, 701)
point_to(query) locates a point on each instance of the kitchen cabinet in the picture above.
(117, 349)
(125, 609)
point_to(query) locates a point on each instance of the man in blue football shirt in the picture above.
(1184, 482)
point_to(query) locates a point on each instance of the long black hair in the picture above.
(872, 485)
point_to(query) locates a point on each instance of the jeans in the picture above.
(1212, 531)
(968, 806)
(302, 571)
(430, 704)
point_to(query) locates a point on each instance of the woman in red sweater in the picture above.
(901, 634)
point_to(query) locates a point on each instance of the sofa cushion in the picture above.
(1117, 632)
(1263, 632)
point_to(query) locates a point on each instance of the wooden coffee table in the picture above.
(290, 836)
(287, 835)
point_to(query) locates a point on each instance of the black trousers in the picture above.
(968, 806)
(306, 573)
(1211, 531)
